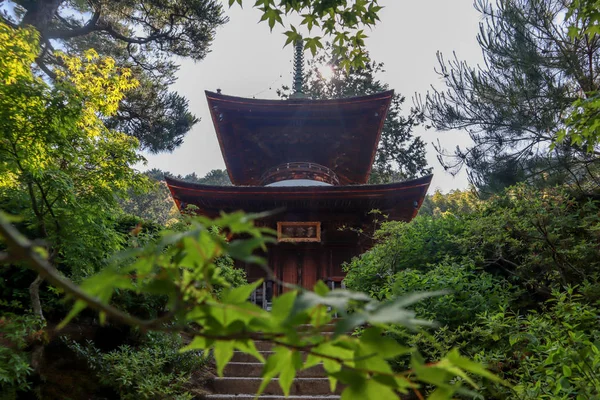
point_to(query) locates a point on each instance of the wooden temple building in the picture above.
(311, 159)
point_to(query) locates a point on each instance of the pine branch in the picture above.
(89, 27)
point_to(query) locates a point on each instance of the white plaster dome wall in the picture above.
(298, 182)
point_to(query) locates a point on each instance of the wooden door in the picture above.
(299, 267)
(289, 268)
(310, 266)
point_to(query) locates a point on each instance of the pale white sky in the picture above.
(246, 60)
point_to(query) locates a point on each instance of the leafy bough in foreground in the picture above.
(182, 266)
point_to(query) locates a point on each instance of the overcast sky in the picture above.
(246, 60)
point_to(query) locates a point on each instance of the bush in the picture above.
(471, 291)
(235, 277)
(543, 239)
(153, 370)
(551, 354)
(539, 240)
(17, 332)
(523, 272)
(417, 245)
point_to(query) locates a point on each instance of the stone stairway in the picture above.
(242, 379)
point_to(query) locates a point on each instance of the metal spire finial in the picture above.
(298, 70)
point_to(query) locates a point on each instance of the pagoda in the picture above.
(310, 160)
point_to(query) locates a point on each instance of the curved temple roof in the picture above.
(400, 201)
(256, 135)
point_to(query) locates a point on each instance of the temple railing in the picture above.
(299, 170)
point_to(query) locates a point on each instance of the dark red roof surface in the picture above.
(400, 201)
(340, 134)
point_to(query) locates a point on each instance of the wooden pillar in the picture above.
(274, 264)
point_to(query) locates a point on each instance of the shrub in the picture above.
(523, 272)
(544, 239)
(153, 370)
(471, 291)
(551, 354)
(417, 245)
(16, 333)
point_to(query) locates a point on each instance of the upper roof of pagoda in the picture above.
(258, 135)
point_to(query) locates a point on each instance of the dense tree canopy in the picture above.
(141, 35)
(218, 177)
(513, 106)
(61, 168)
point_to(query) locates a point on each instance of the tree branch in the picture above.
(109, 29)
(90, 26)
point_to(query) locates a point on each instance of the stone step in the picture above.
(239, 357)
(300, 386)
(262, 345)
(254, 369)
(269, 397)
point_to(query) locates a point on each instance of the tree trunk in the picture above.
(37, 356)
(34, 295)
(40, 14)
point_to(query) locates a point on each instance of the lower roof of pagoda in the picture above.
(400, 200)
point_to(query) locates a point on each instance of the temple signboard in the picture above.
(298, 231)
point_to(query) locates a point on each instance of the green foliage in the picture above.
(417, 245)
(143, 35)
(155, 369)
(582, 123)
(157, 203)
(539, 240)
(183, 266)
(551, 353)
(521, 273)
(340, 20)
(471, 291)
(235, 277)
(61, 169)
(16, 333)
(556, 352)
(457, 202)
(545, 239)
(217, 177)
(513, 106)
